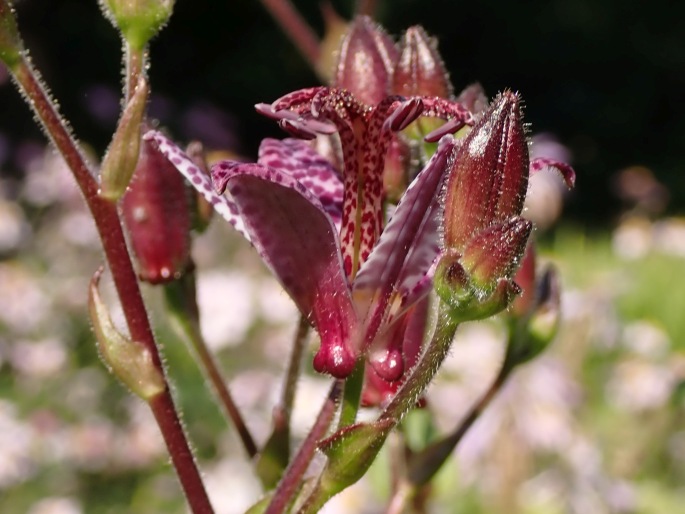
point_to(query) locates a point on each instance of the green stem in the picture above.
(135, 63)
(293, 371)
(114, 245)
(352, 395)
(182, 305)
(292, 478)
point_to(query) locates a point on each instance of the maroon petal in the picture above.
(298, 241)
(300, 161)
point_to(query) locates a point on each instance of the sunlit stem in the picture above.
(275, 453)
(292, 478)
(296, 28)
(182, 305)
(293, 372)
(114, 244)
(352, 395)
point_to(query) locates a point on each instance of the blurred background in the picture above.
(593, 426)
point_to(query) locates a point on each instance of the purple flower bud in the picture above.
(488, 181)
(420, 70)
(156, 213)
(366, 61)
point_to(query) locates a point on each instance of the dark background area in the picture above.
(607, 77)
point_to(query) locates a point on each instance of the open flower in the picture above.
(289, 209)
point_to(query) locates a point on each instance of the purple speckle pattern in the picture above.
(297, 159)
(201, 182)
(297, 239)
(409, 243)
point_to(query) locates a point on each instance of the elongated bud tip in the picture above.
(365, 62)
(138, 20)
(420, 70)
(10, 41)
(120, 160)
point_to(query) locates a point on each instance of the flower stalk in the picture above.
(111, 234)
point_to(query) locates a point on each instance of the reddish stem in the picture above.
(292, 477)
(296, 28)
(114, 244)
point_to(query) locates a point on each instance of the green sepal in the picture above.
(126, 359)
(11, 45)
(465, 301)
(350, 452)
(121, 158)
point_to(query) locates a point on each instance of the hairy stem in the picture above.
(135, 63)
(293, 371)
(292, 478)
(114, 244)
(296, 28)
(181, 301)
(352, 395)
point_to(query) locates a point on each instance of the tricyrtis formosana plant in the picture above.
(391, 203)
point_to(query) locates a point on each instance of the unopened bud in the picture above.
(128, 360)
(157, 216)
(420, 70)
(138, 20)
(120, 160)
(10, 41)
(366, 61)
(488, 181)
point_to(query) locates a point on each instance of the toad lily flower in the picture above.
(288, 205)
(321, 234)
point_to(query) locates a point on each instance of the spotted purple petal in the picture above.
(223, 205)
(298, 241)
(300, 161)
